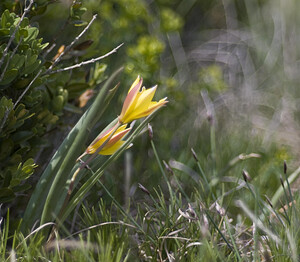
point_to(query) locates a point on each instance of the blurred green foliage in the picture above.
(141, 26)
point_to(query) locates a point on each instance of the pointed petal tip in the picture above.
(136, 84)
(164, 100)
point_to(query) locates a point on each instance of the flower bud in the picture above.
(246, 176)
(195, 155)
(150, 130)
(284, 167)
(168, 168)
(145, 190)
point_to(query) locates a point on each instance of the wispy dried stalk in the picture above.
(56, 61)
(27, 88)
(68, 48)
(93, 60)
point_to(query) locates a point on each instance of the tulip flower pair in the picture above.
(138, 103)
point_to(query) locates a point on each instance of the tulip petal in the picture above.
(151, 108)
(145, 97)
(131, 97)
(116, 137)
(111, 150)
(137, 80)
(120, 132)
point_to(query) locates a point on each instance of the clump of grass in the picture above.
(202, 224)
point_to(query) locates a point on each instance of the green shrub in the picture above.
(32, 99)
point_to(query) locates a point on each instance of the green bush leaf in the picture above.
(6, 147)
(16, 61)
(4, 32)
(79, 23)
(6, 195)
(32, 66)
(32, 32)
(9, 76)
(5, 18)
(22, 136)
(21, 188)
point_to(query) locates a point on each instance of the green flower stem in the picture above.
(161, 168)
(279, 191)
(232, 239)
(258, 200)
(291, 198)
(213, 147)
(287, 203)
(219, 231)
(206, 181)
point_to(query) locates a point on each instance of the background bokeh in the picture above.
(229, 70)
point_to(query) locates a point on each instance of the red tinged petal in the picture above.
(131, 97)
(110, 145)
(117, 137)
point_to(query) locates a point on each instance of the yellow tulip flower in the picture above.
(112, 145)
(138, 103)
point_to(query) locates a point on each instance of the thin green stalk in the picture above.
(232, 239)
(257, 202)
(290, 180)
(213, 147)
(161, 168)
(219, 231)
(290, 192)
(180, 187)
(285, 214)
(203, 174)
(287, 200)
(278, 217)
(256, 242)
(287, 181)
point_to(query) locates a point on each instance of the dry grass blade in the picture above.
(101, 225)
(70, 244)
